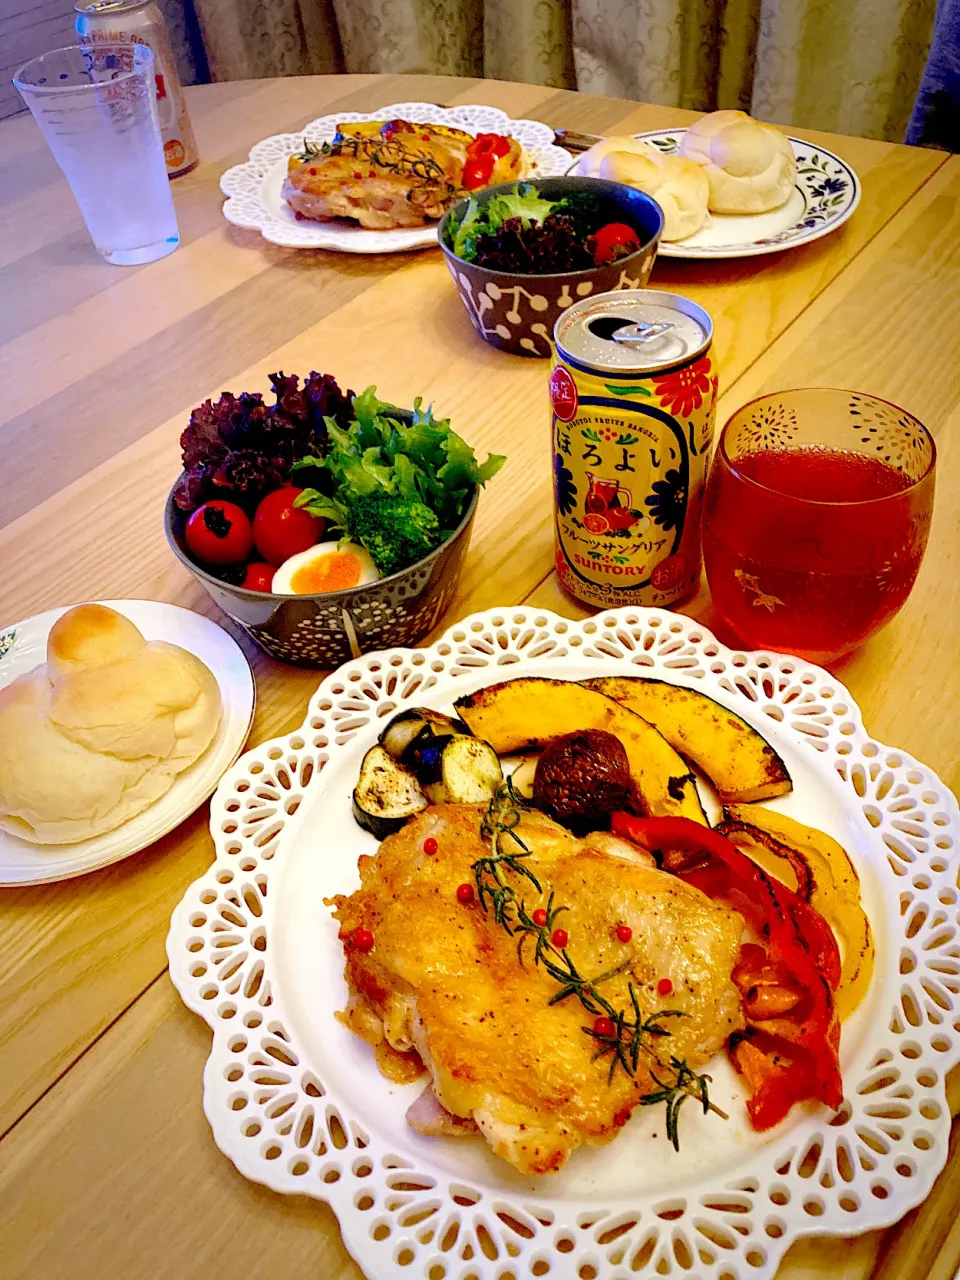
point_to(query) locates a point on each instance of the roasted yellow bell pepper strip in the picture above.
(824, 876)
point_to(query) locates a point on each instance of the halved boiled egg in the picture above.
(325, 567)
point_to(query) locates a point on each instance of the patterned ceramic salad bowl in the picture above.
(326, 629)
(325, 524)
(520, 254)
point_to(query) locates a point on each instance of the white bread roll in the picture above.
(588, 166)
(750, 166)
(90, 635)
(678, 185)
(100, 732)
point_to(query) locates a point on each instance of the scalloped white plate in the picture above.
(825, 196)
(253, 189)
(23, 647)
(296, 1101)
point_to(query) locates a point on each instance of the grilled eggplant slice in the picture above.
(453, 768)
(407, 726)
(425, 756)
(387, 794)
(471, 772)
(403, 729)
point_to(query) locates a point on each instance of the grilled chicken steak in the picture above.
(384, 176)
(442, 980)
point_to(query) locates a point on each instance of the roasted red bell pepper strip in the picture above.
(816, 934)
(477, 171)
(681, 834)
(775, 1084)
(489, 144)
(800, 940)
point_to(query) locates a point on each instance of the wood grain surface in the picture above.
(107, 1165)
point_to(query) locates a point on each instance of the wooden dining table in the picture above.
(107, 1164)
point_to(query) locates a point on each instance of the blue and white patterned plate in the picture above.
(826, 194)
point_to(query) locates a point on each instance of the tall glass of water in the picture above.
(96, 106)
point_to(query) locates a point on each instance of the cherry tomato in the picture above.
(219, 533)
(489, 144)
(477, 172)
(280, 529)
(259, 576)
(614, 241)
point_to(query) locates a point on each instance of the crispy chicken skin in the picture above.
(385, 175)
(444, 980)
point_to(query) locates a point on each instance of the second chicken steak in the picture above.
(395, 174)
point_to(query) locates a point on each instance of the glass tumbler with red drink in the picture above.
(816, 519)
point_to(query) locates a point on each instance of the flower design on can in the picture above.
(563, 485)
(668, 502)
(683, 390)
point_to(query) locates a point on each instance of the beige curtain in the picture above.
(849, 66)
(527, 40)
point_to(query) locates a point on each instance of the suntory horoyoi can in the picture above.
(634, 393)
(141, 22)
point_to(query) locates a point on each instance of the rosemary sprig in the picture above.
(507, 851)
(392, 155)
(633, 1032)
(311, 150)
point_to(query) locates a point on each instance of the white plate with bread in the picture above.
(117, 721)
(730, 186)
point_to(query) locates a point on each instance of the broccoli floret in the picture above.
(396, 531)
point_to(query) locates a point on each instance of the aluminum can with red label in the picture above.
(141, 22)
(634, 393)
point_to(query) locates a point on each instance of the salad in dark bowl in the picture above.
(326, 523)
(521, 254)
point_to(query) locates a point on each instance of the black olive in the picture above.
(581, 779)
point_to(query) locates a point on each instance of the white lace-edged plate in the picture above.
(297, 1102)
(253, 188)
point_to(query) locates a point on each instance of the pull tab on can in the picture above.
(639, 333)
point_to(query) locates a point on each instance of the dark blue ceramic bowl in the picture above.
(517, 312)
